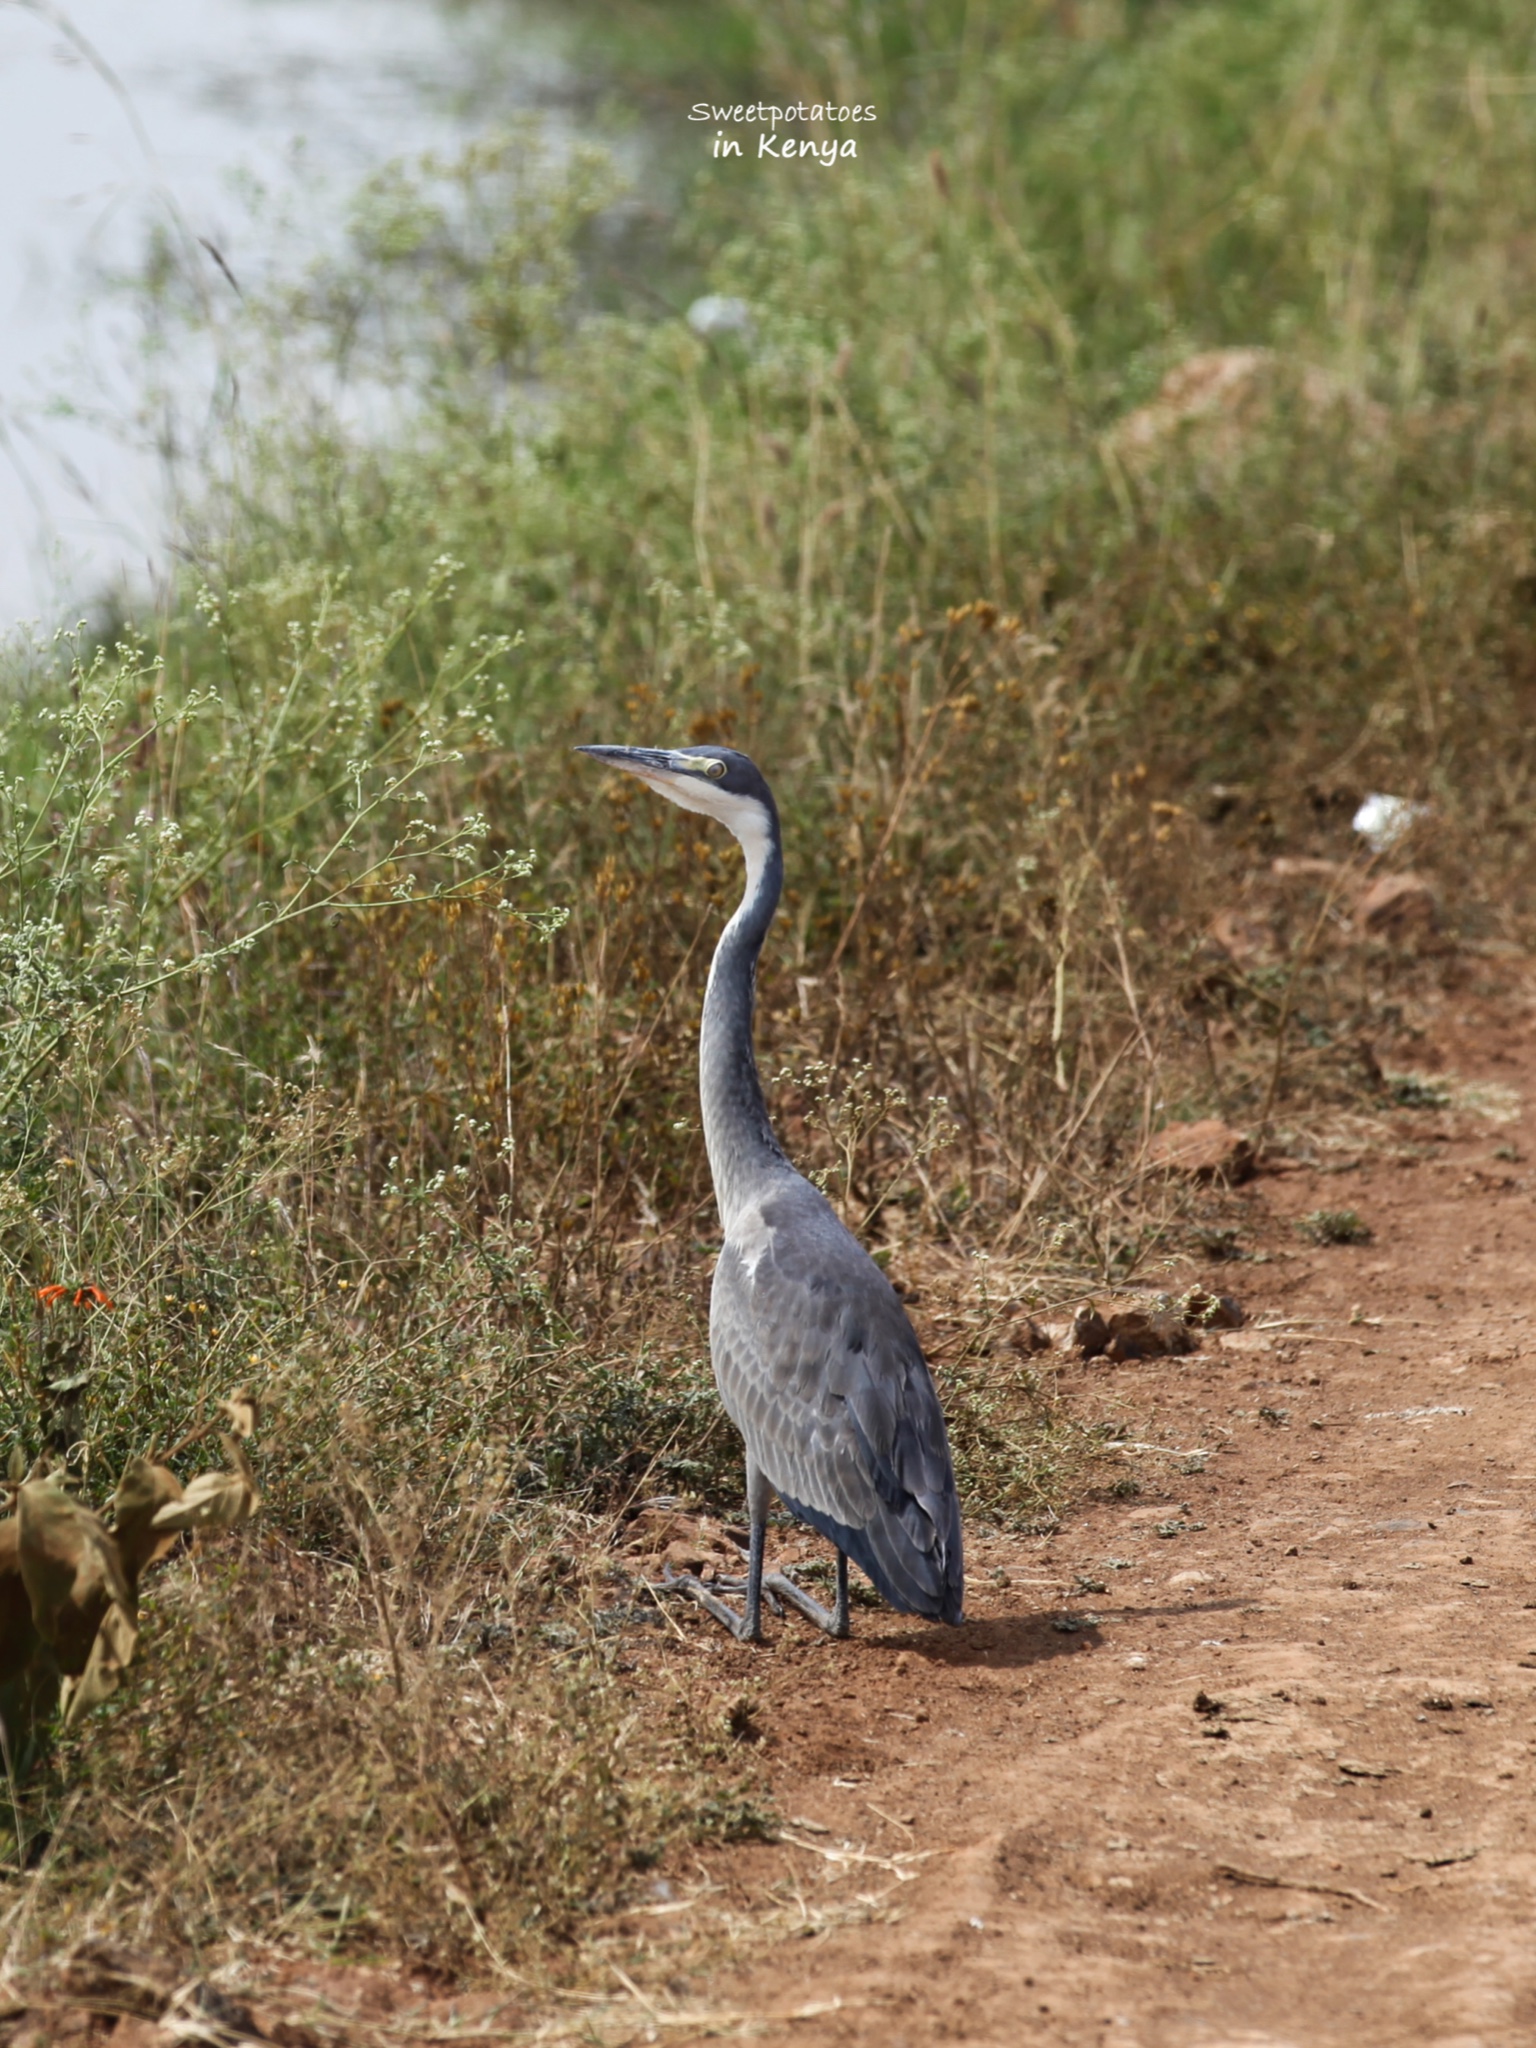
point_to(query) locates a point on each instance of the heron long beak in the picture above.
(688, 780)
(648, 760)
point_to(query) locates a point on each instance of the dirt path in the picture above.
(1349, 1576)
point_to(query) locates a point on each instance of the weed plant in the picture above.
(350, 1022)
(1334, 1226)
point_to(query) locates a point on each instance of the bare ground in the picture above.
(1279, 1788)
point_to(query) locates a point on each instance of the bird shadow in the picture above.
(1009, 1642)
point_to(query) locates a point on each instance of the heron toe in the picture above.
(833, 1620)
(746, 1628)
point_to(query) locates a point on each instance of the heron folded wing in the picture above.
(773, 1379)
(822, 1373)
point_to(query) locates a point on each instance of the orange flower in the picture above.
(88, 1296)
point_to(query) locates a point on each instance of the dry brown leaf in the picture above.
(18, 1632)
(111, 1654)
(71, 1569)
(215, 1500)
(141, 1493)
(243, 1411)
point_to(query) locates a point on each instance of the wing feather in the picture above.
(821, 1371)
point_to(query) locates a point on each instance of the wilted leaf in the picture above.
(243, 1411)
(111, 1654)
(29, 1677)
(18, 1631)
(215, 1500)
(16, 1464)
(141, 1493)
(71, 1569)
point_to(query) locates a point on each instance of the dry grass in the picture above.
(424, 1750)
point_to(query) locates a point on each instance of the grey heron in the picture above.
(814, 1356)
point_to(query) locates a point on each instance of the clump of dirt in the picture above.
(1166, 1330)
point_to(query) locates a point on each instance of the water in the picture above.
(118, 114)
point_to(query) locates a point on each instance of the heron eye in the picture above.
(714, 770)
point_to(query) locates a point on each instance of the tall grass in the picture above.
(350, 1022)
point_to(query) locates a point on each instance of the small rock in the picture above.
(1207, 1150)
(1132, 1334)
(682, 1542)
(1089, 1332)
(1203, 1310)
(1027, 1336)
(1401, 908)
(656, 1523)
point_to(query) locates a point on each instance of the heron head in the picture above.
(716, 781)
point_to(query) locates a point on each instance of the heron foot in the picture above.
(743, 1627)
(744, 1585)
(833, 1621)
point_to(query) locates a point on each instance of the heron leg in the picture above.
(747, 1627)
(834, 1620)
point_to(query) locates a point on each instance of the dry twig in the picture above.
(1296, 1884)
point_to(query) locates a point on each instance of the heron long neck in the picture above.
(737, 1133)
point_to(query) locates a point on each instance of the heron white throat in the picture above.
(814, 1356)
